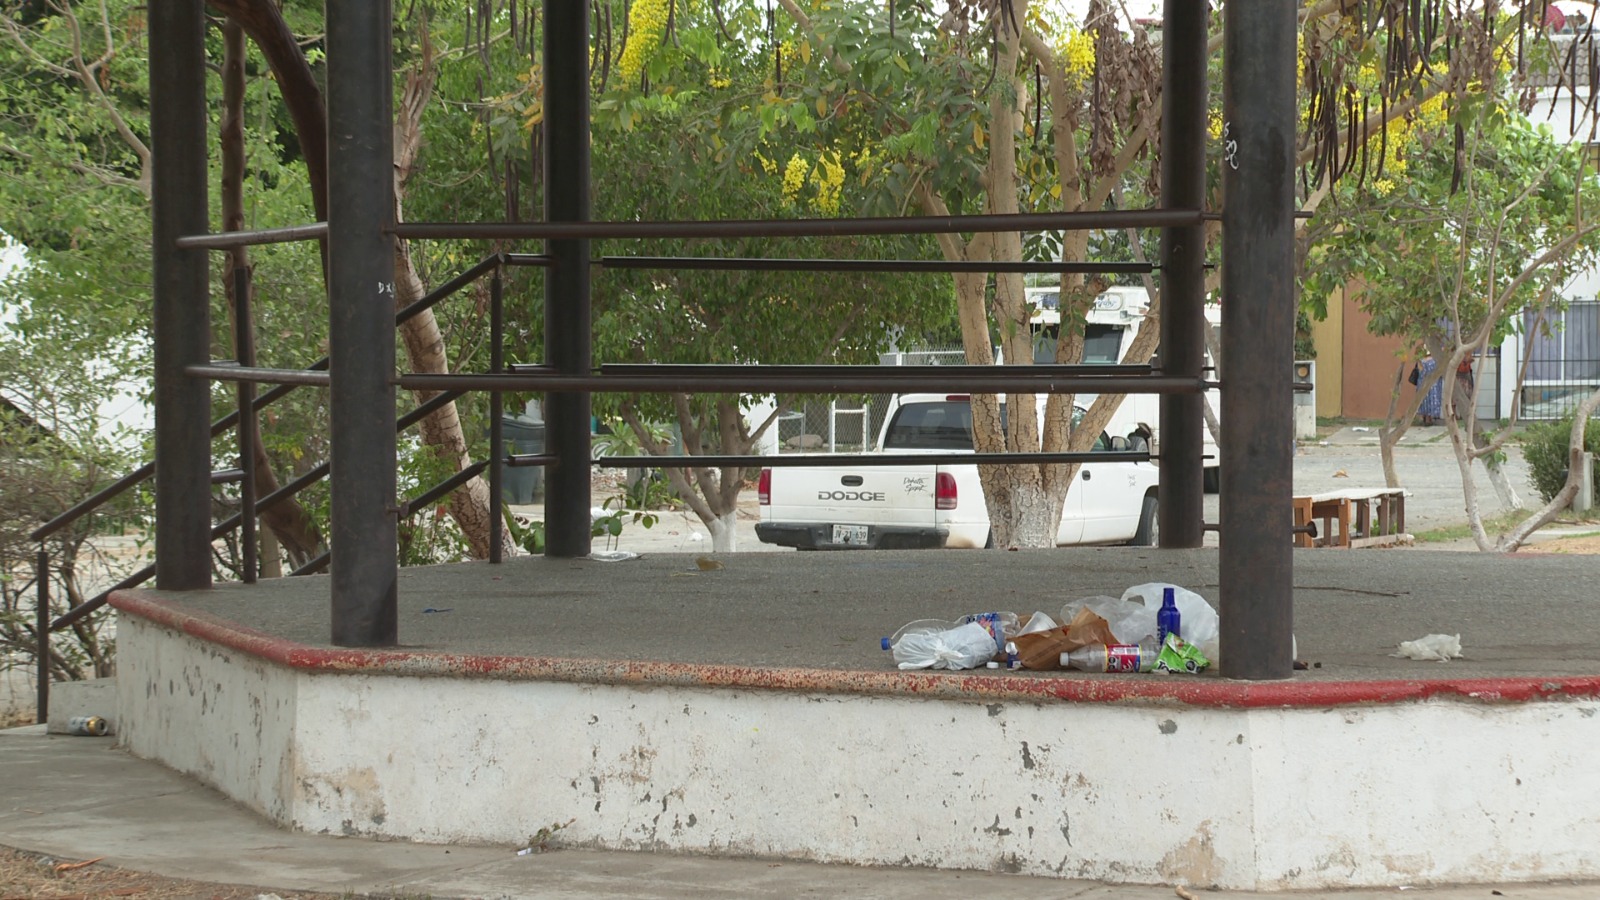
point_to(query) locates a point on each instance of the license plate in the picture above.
(850, 534)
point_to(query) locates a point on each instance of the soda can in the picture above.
(92, 726)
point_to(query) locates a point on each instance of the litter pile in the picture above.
(1151, 628)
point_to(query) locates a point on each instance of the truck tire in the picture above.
(1148, 532)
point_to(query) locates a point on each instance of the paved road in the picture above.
(1348, 458)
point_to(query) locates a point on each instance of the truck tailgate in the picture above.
(854, 506)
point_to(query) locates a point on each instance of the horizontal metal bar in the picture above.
(444, 487)
(960, 380)
(520, 460)
(99, 600)
(925, 373)
(259, 374)
(720, 263)
(228, 240)
(227, 476)
(1057, 221)
(528, 259)
(866, 459)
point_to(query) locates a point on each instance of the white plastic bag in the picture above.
(1199, 622)
(963, 647)
(1036, 623)
(1441, 647)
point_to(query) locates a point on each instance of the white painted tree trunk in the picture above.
(724, 532)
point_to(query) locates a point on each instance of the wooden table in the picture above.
(1354, 517)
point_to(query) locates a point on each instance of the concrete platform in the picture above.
(747, 711)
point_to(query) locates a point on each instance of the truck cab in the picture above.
(1110, 327)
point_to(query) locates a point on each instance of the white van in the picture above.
(1110, 329)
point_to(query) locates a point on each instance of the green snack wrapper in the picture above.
(1178, 655)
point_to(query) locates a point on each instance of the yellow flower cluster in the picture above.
(767, 165)
(647, 22)
(794, 177)
(1076, 51)
(828, 178)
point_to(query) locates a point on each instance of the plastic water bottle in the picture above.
(1168, 619)
(1140, 657)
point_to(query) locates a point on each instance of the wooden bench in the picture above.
(1355, 517)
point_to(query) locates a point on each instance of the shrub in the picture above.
(1544, 446)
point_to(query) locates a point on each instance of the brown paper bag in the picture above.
(1041, 651)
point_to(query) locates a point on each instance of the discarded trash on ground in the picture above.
(435, 609)
(1439, 647)
(707, 564)
(68, 867)
(1152, 627)
(612, 555)
(88, 726)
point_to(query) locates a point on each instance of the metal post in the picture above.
(41, 631)
(497, 443)
(245, 351)
(1256, 564)
(566, 308)
(363, 519)
(181, 321)
(1181, 511)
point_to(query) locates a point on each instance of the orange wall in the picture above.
(1370, 363)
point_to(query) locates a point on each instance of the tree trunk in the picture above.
(1513, 539)
(724, 532)
(287, 519)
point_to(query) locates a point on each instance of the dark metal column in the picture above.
(497, 409)
(567, 345)
(361, 324)
(1256, 563)
(1181, 510)
(181, 322)
(244, 350)
(41, 635)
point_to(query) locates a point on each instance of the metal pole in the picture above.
(41, 631)
(363, 517)
(497, 443)
(244, 349)
(181, 319)
(1180, 510)
(567, 323)
(1256, 563)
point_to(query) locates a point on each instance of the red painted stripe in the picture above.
(975, 686)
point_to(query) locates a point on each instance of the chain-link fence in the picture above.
(851, 424)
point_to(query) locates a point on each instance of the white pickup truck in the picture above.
(910, 506)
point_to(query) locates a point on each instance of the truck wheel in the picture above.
(1212, 480)
(1148, 532)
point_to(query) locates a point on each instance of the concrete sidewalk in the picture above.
(80, 798)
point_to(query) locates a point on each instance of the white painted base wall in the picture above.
(1416, 793)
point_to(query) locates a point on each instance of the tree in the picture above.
(675, 143)
(1450, 262)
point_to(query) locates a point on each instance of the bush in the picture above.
(1545, 447)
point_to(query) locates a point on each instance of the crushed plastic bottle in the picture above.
(1140, 657)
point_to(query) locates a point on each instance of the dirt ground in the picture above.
(1589, 543)
(29, 876)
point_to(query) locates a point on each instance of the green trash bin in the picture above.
(521, 485)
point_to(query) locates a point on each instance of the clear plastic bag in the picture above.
(963, 647)
(1201, 626)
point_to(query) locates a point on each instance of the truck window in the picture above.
(1102, 344)
(942, 425)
